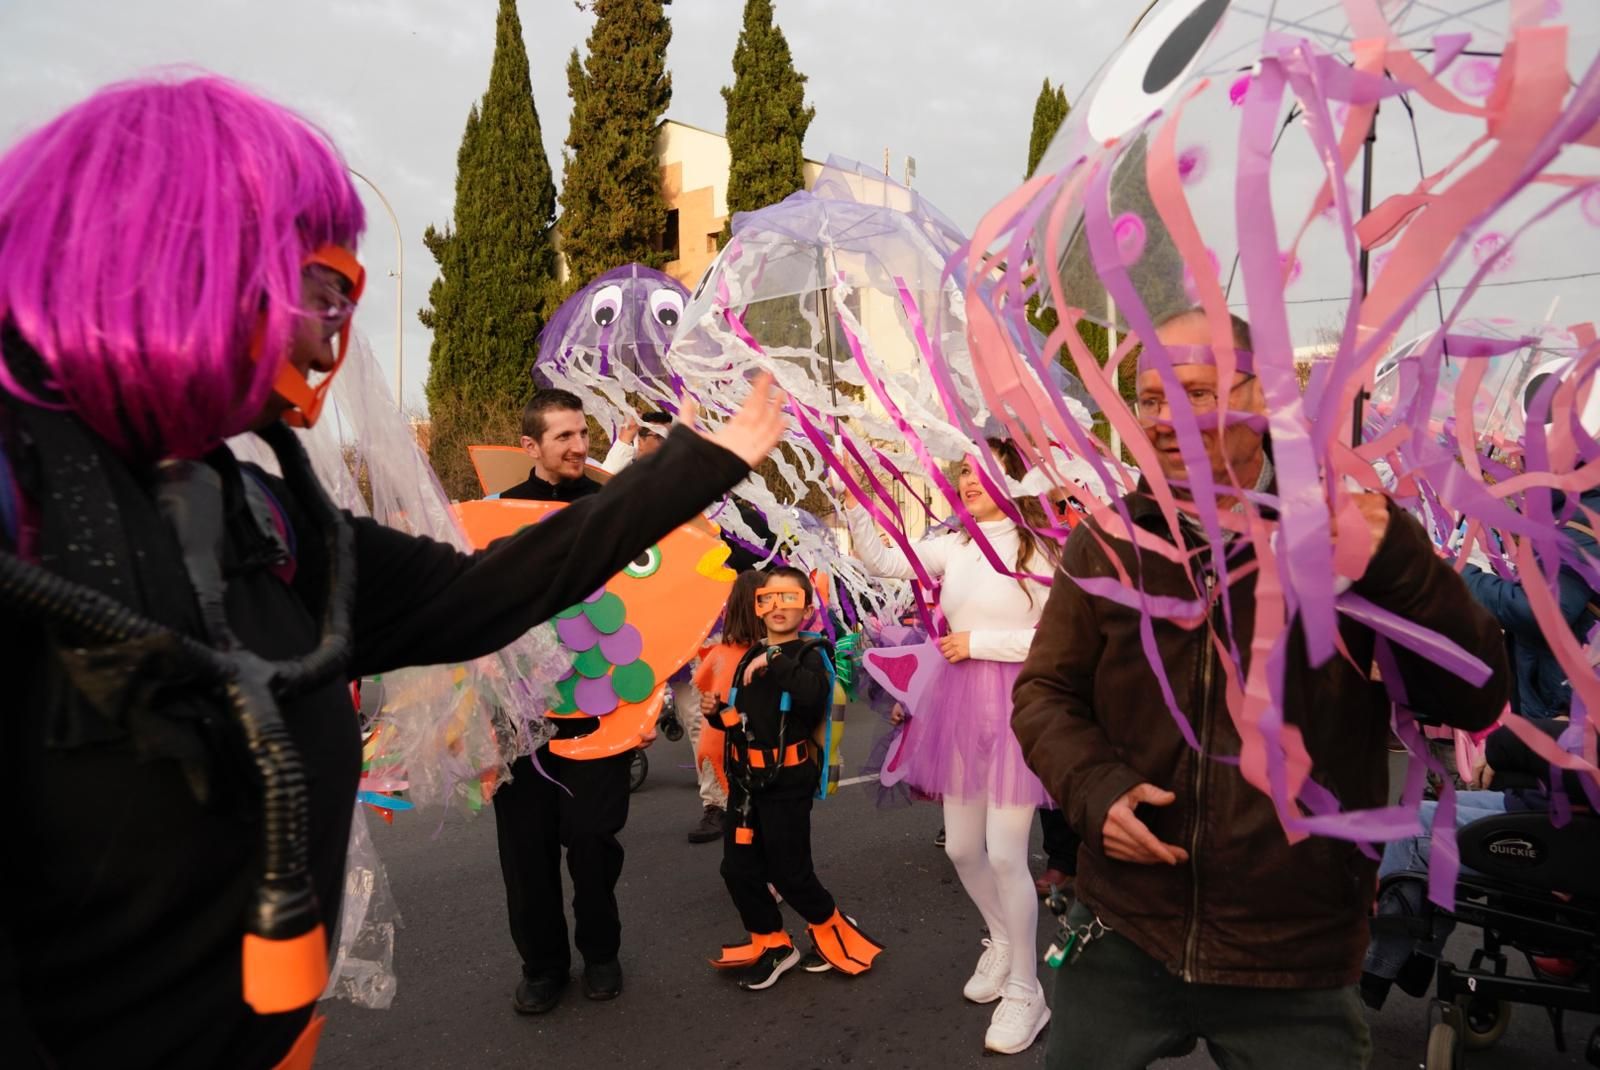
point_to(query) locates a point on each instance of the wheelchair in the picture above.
(1534, 892)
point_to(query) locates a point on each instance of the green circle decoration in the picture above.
(591, 664)
(608, 615)
(633, 682)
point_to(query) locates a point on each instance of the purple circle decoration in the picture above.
(623, 646)
(1191, 165)
(601, 593)
(576, 633)
(1475, 78)
(596, 697)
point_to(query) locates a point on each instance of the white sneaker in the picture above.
(990, 977)
(1017, 1022)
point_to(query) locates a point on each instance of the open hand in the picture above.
(1127, 839)
(756, 429)
(956, 646)
(629, 432)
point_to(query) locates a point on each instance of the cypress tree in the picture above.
(767, 117)
(612, 208)
(1049, 112)
(497, 268)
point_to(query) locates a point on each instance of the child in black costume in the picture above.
(781, 695)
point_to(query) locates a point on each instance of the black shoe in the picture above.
(938, 840)
(773, 964)
(813, 962)
(1375, 990)
(602, 980)
(710, 827)
(539, 995)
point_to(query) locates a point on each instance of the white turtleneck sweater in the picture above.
(975, 598)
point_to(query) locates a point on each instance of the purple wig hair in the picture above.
(146, 236)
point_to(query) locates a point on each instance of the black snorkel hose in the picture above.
(285, 953)
(742, 773)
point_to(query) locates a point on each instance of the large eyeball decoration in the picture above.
(1152, 66)
(606, 305)
(667, 307)
(645, 565)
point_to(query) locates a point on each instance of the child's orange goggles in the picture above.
(771, 598)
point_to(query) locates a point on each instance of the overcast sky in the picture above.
(950, 82)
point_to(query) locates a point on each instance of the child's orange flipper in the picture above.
(734, 955)
(843, 946)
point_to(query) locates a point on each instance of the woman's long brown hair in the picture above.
(740, 625)
(1029, 542)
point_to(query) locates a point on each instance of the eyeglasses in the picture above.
(1202, 400)
(770, 598)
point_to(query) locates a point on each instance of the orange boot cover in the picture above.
(304, 1052)
(284, 975)
(845, 947)
(746, 954)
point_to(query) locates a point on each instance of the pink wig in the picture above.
(147, 236)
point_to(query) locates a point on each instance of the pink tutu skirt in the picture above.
(961, 746)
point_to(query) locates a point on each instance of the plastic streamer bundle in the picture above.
(447, 734)
(836, 291)
(1344, 176)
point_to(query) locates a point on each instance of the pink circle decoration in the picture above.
(1589, 204)
(1191, 165)
(1292, 274)
(1130, 234)
(1239, 90)
(1493, 249)
(1475, 78)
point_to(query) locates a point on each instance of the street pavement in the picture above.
(457, 966)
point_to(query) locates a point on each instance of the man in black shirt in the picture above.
(565, 802)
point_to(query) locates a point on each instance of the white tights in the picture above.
(989, 847)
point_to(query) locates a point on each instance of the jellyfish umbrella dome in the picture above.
(1343, 177)
(838, 291)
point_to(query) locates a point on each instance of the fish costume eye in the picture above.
(1152, 66)
(645, 565)
(667, 307)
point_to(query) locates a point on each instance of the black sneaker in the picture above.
(602, 980)
(813, 962)
(709, 829)
(773, 964)
(938, 839)
(539, 995)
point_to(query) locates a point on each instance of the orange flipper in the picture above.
(845, 947)
(735, 955)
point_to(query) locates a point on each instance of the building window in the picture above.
(711, 242)
(669, 235)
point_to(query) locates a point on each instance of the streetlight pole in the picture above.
(399, 295)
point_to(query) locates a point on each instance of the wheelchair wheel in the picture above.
(1443, 1049)
(637, 771)
(1485, 1021)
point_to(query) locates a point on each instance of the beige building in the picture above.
(694, 180)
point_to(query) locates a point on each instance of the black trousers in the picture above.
(1060, 842)
(534, 820)
(780, 856)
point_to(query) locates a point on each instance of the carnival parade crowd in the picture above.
(1128, 646)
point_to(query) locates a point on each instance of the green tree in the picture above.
(1049, 112)
(612, 208)
(767, 117)
(497, 268)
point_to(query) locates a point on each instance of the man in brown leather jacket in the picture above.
(1215, 926)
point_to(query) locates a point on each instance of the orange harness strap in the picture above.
(797, 754)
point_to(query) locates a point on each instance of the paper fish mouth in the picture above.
(711, 564)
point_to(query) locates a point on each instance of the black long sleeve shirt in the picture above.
(122, 905)
(805, 678)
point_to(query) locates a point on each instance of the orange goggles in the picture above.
(771, 598)
(290, 384)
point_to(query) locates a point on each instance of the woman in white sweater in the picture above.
(960, 748)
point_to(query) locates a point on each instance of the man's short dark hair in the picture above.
(1241, 328)
(547, 401)
(661, 418)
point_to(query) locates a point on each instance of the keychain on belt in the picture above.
(1074, 938)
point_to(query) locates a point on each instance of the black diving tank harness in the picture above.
(285, 950)
(749, 776)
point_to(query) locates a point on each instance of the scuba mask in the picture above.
(771, 598)
(290, 384)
